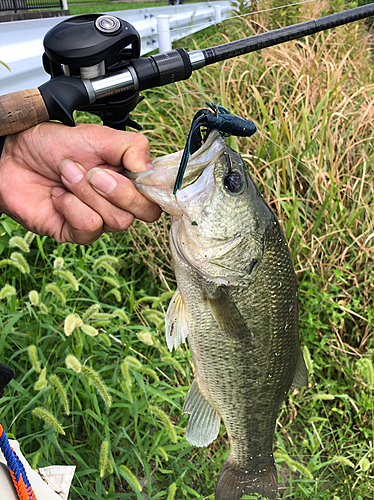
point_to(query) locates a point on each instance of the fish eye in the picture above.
(234, 182)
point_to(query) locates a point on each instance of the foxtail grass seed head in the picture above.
(126, 373)
(29, 237)
(108, 267)
(145, 337)
(78, 321)
(17, 241)
(162, 298)
(58, 263)
(89, 330)
(7, 291)
(33, 357)
(102, 317)
(171, 492)
(163, 453)
(35, 460)
(120, 313)
(59, 388)
(43, 308)
(151, 373)
(323, 397)
(21, 261)
(9, 262)
(49, 419)
(42, 382)
(73, 363)
(91, 311)
(173, 362)
(104, 338)
(130, 478)
(133, 362)
(110, 281)
(56, 291)
(69, 277)
(343, 461)
(99, 384)
(166, 421)
(364, 464)
(34, 297)
(127, 390)
(103, 458)
(116, 294)
(105, 259)
(69, 324)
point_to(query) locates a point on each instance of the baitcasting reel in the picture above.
(90, 46)
(95, 66)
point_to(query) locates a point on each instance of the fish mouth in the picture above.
(158, 184)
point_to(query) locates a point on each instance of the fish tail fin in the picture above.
(235, 481)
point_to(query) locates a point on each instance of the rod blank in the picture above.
(282, 35)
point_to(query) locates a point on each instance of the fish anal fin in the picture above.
(228, 316)
(176, 322)
(204, 422)
(301, 374)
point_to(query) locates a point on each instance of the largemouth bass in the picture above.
(237, 302)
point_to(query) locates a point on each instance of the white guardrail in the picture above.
(21, 42)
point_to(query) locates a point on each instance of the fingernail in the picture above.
(101, 180)
(71, 171)
(57, 191)
(149, 166)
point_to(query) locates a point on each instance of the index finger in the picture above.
(129, 150)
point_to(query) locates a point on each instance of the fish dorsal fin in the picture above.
(203, 424)
(228, 316)
(301, 374)
(176, 322)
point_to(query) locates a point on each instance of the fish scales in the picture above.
(237, 299)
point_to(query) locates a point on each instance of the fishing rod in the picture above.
(95, 66)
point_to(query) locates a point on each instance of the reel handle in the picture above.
(21, 110)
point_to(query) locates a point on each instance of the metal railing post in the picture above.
(163, 29)
(217, 14)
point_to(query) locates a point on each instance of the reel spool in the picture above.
(90, 46)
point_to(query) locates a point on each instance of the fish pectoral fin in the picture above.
(228, 316)
(176, 322)
(204, 422)
(301, 374)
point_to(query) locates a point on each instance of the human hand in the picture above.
(65, 183)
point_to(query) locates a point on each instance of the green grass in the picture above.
(314, 98)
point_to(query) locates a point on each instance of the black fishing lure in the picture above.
(215, 118)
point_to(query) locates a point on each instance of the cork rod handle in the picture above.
(21, 110)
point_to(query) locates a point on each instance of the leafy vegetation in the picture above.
(95, 385)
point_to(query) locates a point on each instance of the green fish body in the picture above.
(236, 303)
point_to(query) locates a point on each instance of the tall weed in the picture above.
(95, 385)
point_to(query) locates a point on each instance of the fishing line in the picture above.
(239, 16)
(360, 204)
